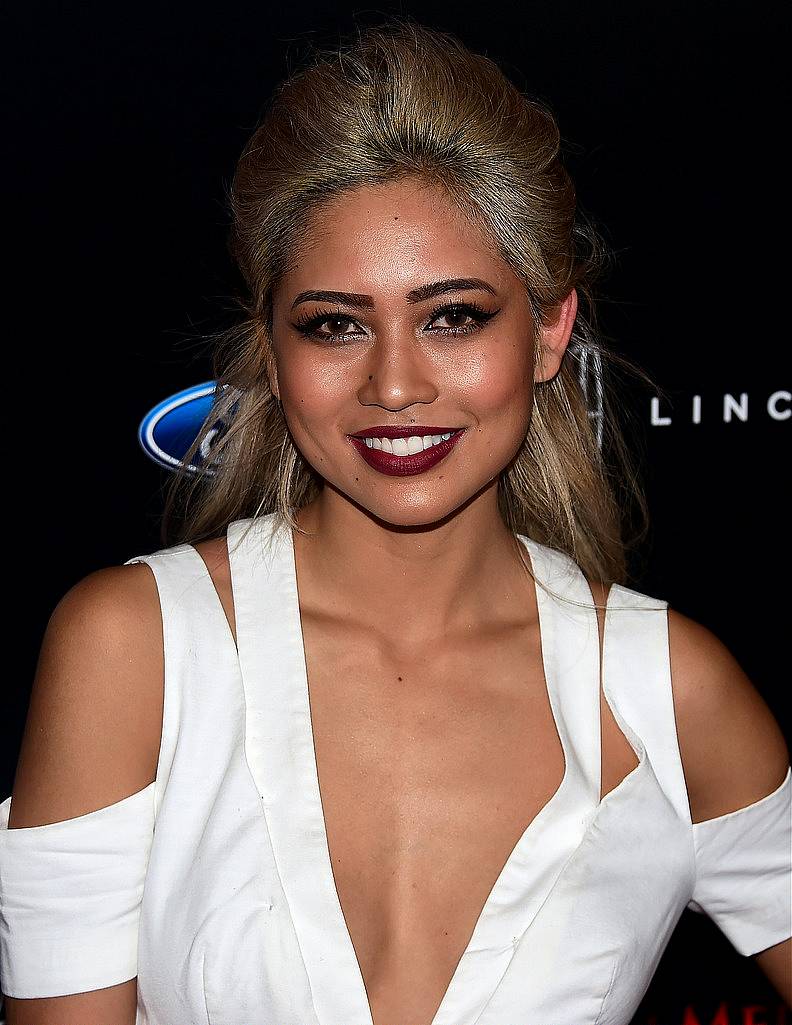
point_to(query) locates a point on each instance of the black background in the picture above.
(123, 123)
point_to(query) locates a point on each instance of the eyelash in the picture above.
(308, 324)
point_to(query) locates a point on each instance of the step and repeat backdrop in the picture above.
(124, 123)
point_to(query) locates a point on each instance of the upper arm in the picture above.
(116, 1004)
(91, 737)
(94, 718)
(734, 754)
(732, 748)
(776, 963)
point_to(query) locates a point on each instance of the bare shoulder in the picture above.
(94, 718)
(733, 750)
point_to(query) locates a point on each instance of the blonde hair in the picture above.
(396, 101)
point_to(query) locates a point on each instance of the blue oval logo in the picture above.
(167, 431)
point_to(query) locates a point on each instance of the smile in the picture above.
(406, 446)
(406, 456)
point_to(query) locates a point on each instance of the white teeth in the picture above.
(407, 446)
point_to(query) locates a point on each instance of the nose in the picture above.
(396, 374)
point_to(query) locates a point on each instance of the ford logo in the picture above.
(167, 431)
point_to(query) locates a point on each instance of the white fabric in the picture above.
(70, 895)
(219, 876)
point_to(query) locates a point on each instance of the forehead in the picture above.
(392, 238)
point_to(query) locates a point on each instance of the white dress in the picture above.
(214, 886)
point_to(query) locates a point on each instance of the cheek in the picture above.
(498, 389)
(313, 391)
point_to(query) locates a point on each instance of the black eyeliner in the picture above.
(307, 324)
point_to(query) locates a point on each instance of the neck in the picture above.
(424, 582)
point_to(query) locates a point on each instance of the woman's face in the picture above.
(432, 333)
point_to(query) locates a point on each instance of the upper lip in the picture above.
(419, 430)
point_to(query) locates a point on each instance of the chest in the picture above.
(434, 763)
(431, 764)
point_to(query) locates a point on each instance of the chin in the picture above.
(418, 518)
(418, 514)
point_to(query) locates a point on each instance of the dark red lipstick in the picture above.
(404, 466)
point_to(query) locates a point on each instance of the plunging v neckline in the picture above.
(281, 754)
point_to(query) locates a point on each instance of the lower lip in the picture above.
(405, 466)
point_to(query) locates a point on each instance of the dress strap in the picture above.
(570, 650)
(638, 681)
(194, 627)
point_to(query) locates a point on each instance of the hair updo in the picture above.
(395, 101)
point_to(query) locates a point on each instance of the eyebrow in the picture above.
(416, 295)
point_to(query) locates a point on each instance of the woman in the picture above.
(395, 777)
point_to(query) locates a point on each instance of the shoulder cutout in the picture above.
(214, 553)
(733, 751)
(617, 757)
(94, 719)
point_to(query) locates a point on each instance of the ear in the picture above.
(554, 338)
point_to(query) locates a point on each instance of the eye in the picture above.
(308, 325)
(477, 316)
